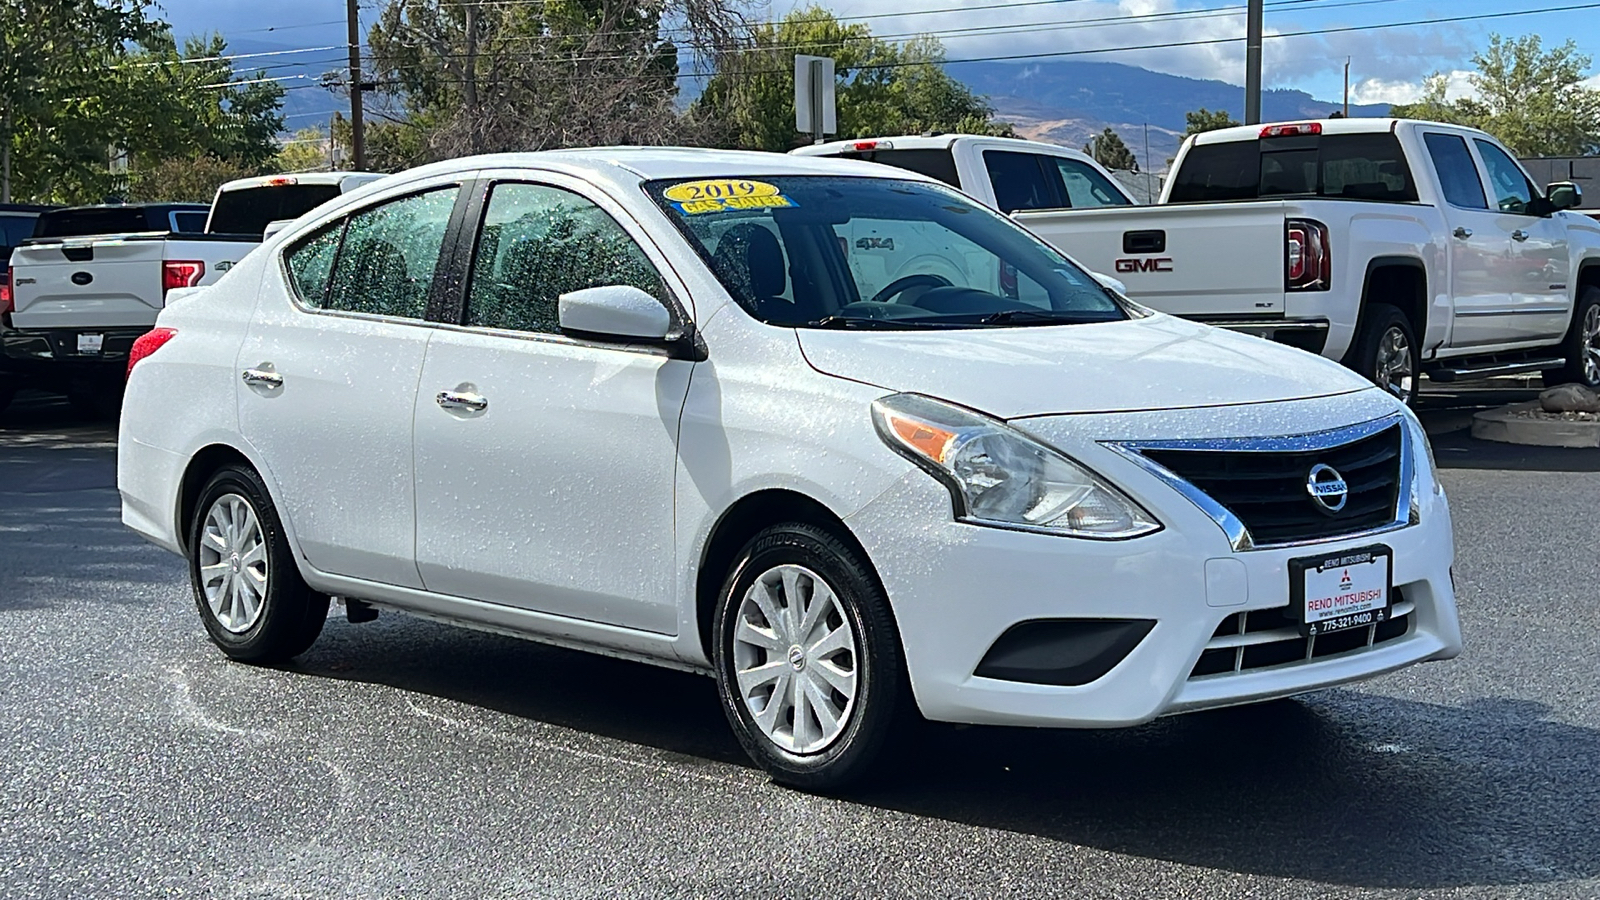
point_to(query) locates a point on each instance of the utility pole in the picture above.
(1252, 63)
(358, 139)
(1347, 87)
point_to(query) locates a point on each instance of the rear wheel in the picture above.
(1581, 346)
(251, 597)
(1385, 351)
(807, 658)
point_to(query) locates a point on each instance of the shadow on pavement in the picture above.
(1342, 787)
(1447, 414)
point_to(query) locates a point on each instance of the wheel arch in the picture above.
(1399, 281)
(202, 464)
(1588, 277)
(738, 523)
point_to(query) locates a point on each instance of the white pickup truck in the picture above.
(91, 279)
(1399, 247)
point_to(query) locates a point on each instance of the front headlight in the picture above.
(1000, 476)
(1424, 468)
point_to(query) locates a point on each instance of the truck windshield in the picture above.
(1342, 166)
(249, 210)
(831, 252)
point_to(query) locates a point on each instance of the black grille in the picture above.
(1279, 642)
(1266, 489)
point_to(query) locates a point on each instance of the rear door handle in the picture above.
(262, 378)
(462, 400)
(1519, 235)
(1463, 233)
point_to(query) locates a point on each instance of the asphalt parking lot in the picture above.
(403, 758)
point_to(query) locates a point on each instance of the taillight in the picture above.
(181, 273)
(1272, 131)
(7, 303)
(1308, 258)
(148, 343)
(864, 146)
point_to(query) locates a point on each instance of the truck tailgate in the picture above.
(1201, 260)
(87, 283)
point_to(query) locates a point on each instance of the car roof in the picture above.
(623, 166)
(934, 142)
(171, 207)
(1329, 126)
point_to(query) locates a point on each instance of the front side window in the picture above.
(1513, 193)
(539, 242)
(1458, 174)
(1085, 188)
(386, 263)
(827, 252)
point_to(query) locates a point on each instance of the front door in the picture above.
(1480, 249)
(545, 464)
(1540, 308)
(329, 370)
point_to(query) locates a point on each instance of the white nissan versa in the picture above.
(666, 405)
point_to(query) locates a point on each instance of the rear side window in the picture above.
(539, 242)
(189, 222)
(386, 262)
(1019, 181)
(249, 210)
(311, 262)
(1458, 175)
(934, 162)
(16, 229)
(1338, 166)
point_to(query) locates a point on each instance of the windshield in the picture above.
(824, 251)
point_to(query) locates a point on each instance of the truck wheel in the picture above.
(1581, 346)
(1386, 352)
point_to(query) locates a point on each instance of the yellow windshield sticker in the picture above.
(724, 194)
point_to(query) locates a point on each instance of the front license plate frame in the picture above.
(1309, 578)
(91, 343)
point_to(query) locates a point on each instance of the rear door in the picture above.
(1480, 249)
(329, 369)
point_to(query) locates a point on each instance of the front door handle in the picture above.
(1519, 235)
(262, 378)
(462, 400)
(1463, 233)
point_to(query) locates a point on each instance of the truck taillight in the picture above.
(1308, 259)
(1272, 131)
(181, 273)
(148, 343)
(7, 303)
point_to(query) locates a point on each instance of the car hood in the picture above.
(1157, 362)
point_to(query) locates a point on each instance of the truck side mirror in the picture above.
(1564, 195)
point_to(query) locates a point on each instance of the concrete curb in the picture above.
(1505, 426)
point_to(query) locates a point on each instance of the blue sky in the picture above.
(1387, 64)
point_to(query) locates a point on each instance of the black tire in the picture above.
(290, 614)
(1581, 346)
(882, 695)
(1385, 332)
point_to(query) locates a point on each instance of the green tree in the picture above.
(193, 179)
(882, 88)
(1533, 100)
(1108, 150)
(305, 151)
(1202, 120)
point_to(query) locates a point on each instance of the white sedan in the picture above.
(637, 401)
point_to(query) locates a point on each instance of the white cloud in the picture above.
(1377, 90)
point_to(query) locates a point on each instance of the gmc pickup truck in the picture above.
(91, 280)
(1400, 247)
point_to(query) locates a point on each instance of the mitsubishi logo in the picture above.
(1326, 486)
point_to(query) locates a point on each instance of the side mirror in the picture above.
(1112, 283)
(1564, 195)
(615, 311)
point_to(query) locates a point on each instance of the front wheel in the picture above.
(1581, 347)
(251, 597)
(807, 657)
(1385, 351)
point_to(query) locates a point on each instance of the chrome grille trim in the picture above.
(1239, 537)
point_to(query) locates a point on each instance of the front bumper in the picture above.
(956, 588)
